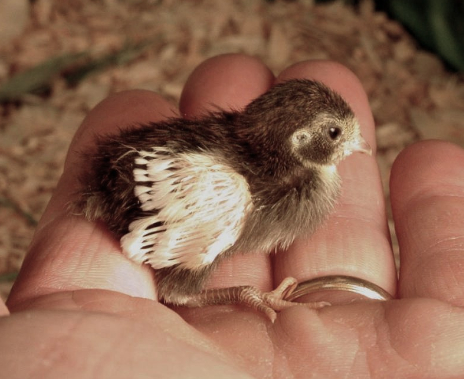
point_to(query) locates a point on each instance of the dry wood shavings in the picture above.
(13, 19)
(412, 95)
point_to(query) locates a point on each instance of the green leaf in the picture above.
(37, 78)
(8, 277)
(127, 54)
(437, 24)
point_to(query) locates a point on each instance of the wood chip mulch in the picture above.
(412, 94)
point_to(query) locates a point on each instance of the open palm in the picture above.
(80, 309)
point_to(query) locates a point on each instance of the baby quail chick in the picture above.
(184, 194)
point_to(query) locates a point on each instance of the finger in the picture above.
(230, 82)
(354, 240)
(427, 191)
(69, 252)
(227, 82)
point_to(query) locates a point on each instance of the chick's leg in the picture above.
(266, 302)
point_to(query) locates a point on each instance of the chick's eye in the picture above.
(334, 132)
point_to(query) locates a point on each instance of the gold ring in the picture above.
(340, 283)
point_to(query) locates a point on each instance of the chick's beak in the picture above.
(358, 145)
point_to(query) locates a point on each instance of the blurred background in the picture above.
(59, 58)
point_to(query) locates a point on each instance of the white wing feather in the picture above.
(202, 205)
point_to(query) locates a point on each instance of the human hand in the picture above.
(80, 309)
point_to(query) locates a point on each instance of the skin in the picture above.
(79, 309)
